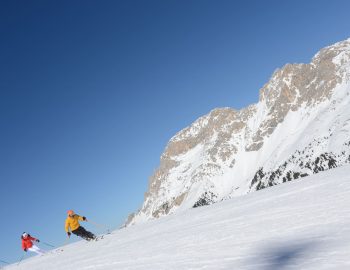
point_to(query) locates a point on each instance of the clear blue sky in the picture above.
(91, 92)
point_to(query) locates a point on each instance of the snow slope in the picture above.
(304, 224)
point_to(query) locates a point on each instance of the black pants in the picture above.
(84, 233)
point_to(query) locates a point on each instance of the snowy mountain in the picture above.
(303, 224)
(299, 127)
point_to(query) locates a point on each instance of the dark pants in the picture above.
(84, 233)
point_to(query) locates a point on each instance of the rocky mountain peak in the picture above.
(232, 152)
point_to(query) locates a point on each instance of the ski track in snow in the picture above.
(303, 224)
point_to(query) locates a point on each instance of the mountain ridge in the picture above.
(298, 127)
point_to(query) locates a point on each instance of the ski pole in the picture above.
(96, 224)
(65, 241)
(21, 259)
(99, 225)
(4, 262)
(47, 244)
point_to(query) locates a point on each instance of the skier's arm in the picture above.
(82, 218)
(35, 239)
(32, 238)
(66, 226)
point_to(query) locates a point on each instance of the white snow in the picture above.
(304, 224)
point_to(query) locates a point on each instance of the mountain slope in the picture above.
(300, 126)
(303, 224)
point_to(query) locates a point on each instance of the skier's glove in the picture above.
(37, 240)
(84, 218)
(25, 250)
(68, 234)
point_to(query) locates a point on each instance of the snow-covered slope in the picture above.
(300, 126)
(304, 224)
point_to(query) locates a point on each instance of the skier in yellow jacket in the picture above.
(72, 224)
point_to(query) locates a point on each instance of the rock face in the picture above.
(300, 126)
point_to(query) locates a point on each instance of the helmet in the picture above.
(70, 212)
(24, 235)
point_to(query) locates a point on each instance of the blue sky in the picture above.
(92, 91)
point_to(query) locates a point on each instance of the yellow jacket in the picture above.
(73, 222)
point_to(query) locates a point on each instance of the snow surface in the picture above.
(304, 224)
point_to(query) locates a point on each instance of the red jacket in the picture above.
(27, 242)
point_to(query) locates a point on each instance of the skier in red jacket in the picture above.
(27, 244)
